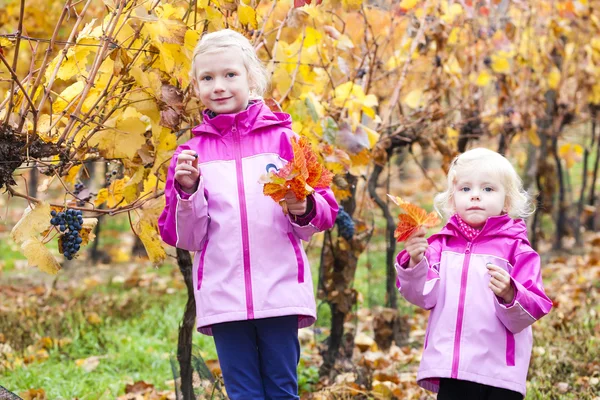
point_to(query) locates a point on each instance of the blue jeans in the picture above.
(259, 358)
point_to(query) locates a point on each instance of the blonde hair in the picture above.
(228, 39)
(518, 202)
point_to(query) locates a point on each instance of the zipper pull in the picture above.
(468, 250)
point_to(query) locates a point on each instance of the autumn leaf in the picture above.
(414, 218)
(301, 175)
(39, 256)
(34, 221)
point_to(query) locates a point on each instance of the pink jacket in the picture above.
(249, 261)
(472, 335)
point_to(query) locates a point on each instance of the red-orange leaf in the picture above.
(413, 220)
(302, 175)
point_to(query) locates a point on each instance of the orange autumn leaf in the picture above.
(302, 175)
(414, 218)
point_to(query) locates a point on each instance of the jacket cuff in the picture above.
(183, 194)
(501, 301)
(309, 215)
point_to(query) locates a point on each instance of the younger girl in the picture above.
(481, 280)
(253, 285)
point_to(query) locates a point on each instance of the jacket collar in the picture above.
(256, 115)
(499, 226)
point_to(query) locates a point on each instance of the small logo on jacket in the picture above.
(272, 167)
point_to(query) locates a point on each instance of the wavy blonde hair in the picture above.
(517, 203)
(228, 39)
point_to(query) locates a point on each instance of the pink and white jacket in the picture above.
(471, 334)
(249, 261)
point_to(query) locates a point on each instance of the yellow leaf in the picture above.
(66, 96)
(408, 4)
(87, 230)
(131, 189)
(113, 196)
(215, 17)
(72, 65)
(500, 64)
(454, 11)
(32, 223)
(452, 66)
(351, 5)
(414, 98)
(554, 78)
(39, 256)
(533, 137)
(149, 79)
(452, 135)
(148, 234)
(72, 174)
(247, 15)
(483, 79)
(571, 153)
(5, 43)
(94, 319)
(453, 36)
(124, 136)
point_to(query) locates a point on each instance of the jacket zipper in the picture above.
(244, 220)
(461, 310)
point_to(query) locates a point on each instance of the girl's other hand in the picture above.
(416, 246)
(295, 206)
(186, 171)
(500, 283)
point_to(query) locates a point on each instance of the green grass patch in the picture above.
(134, 337)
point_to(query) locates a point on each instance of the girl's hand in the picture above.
(295, 206)
(416, 246)
(186, 171)
(500, 283)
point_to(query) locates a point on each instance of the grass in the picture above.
(135, 336)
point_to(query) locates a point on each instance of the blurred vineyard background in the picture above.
(95, 97)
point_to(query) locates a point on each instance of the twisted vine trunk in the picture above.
(339, 259)
(186, 329)
(390, 247)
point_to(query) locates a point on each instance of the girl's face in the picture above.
(222, 81)
(478, 194)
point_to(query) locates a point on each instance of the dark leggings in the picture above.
(454, 389)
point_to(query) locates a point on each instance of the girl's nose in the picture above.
(218, 86)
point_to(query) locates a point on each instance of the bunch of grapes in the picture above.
(69, 223)
(345, 224)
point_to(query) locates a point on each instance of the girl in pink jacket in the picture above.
(253, 285)
(481, 280)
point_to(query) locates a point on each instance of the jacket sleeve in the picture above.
(184, 220)
(322, 211)
(420, 284)
(530, 302)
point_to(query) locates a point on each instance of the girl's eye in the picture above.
(205, 78)
(230, 74)
(488, 189)
(465, 189)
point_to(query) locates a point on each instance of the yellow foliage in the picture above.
(414, 99)
(32, 223)
(124, 136)
(247, 15)
(148, 234)
(500, 64)
(39, 256)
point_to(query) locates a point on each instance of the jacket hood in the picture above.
(498, 226)
(256, 116)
